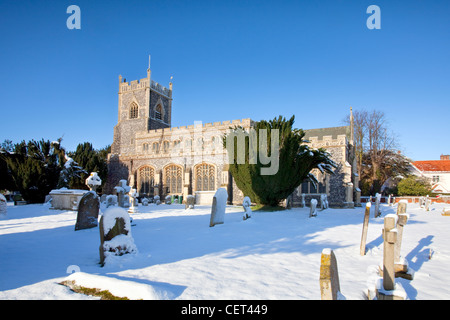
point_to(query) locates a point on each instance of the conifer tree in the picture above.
(296, 160)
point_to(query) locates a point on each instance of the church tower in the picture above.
(143, 105)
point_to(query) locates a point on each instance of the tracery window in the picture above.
(166, 145)
(205, 177)
(146, 180)
(134, 111)
(173, 178)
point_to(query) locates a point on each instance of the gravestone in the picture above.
(168, 200)
(88, 211)
(144, 202)
(218, 207)
(246, 203)
(362, 248)
(157, 200)
(133, 194)
(377, 212)
(445, 212)
(115, 234)
(121, 190)
(93, 181)
(111, 200)
(190, 202)
(402, 205)
(323, 201)
(329, 276)
(389, 200)
(312, 208)
(3, 206)
(401, 265)
(427, 203)
(302, 203)
(389, 289)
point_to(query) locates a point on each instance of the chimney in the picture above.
(445, 157)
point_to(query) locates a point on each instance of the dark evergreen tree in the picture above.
(296, 160)
(90, 160)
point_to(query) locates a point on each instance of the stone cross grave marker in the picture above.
(218, 207)
(362, 248)
(400, 265)
(329, 276)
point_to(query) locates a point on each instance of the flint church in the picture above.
(158, 159)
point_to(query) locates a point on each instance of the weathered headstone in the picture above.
(111, 200)
(323, 201)
(389, 290)
(168, 200)
(133, 194)
(190, 202)
(402, 205)
(115, 234)
(446, 212)
(377, 212)
(427, 203)
(362, 248)
(121, 190)
(389, 200)
(157, 200)
(3, 206)
(144, 202)
(247, 210)
(312, 208)
(88, 209)
(329, 276)
(401, 265)
(218, 207)
(302, 203)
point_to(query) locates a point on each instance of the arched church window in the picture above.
(173, 178)
(166, 145)
(155, 147)
(205, 177)
(146, 180)
(134, 111)
(158, 112)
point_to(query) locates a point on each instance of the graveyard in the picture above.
(178, 253)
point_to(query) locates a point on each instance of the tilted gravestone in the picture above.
(218, 207)
(88, 211)
(115, 233)
(329, 276)
(362, 249)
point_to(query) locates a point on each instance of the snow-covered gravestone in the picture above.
(190, 202)
(93, 181)
(121, 189)
(218, 207)
(312, 208)
(168, 200)
(157, 200)
(133, 194)
(3, 205)
(111, 200)
(115, 234)
(323, 201)
(247, 210)
(144, 201)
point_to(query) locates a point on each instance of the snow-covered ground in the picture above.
(272, 255)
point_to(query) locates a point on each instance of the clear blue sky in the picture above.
(230, 60)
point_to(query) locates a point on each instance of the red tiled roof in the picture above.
(432, 165)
